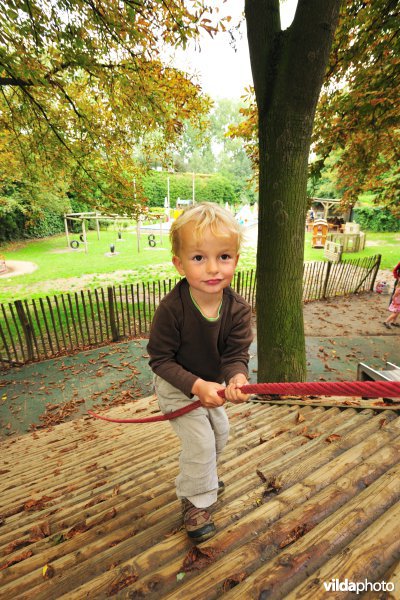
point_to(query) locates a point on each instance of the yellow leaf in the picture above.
(48, 571)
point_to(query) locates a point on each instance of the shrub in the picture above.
(212, 187)
(375, 219)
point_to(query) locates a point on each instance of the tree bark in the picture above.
(288, 68)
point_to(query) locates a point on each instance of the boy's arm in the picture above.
(235, 358)
(162, 348)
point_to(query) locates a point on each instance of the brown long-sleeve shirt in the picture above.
(184, 345)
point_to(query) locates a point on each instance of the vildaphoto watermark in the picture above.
(359, 587)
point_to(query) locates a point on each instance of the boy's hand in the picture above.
(207, 393)
(232, 391)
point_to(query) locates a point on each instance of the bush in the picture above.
(44, 223)
(214, 188)
(376, 219)
(11, 225)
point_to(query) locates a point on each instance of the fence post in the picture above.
(26, 328)
(328, 270)
(377, 265)
(111, 312)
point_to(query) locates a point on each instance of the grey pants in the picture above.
(203, 434)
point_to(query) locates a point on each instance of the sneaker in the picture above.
(197, 521)
(395, 324)
(221, 487)
(386, 325)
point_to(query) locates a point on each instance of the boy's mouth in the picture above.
(213, 281)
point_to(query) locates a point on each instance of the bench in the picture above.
(390, 373)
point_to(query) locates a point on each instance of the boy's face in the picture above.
(208, 263)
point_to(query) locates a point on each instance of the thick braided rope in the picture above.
(363, 389)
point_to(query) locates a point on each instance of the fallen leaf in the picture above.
(198, 558)
(233, 581)
(311, 436)
(261, 476)
(16, 559)
(48, 571)
(295, 534)
(331, 438)
(16, 545)
(80, 527)
(125, 577)
(37, 504)
(39, 532)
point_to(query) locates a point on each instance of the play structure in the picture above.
(319, 233)
(351, 238)
(117, 220)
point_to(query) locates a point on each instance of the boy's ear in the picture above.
(176, 261)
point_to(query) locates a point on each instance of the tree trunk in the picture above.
(288, 69)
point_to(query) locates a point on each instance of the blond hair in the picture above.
(205, 215)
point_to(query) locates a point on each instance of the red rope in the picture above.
(364, 389)
(167, 417)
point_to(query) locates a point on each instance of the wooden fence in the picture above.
(46, 327)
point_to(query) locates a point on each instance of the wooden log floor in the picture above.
(88, 509)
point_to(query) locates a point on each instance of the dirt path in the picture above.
(356, 315)
(18, 267)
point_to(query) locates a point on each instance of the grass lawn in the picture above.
(56, 262)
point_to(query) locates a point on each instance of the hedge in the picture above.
(376, 219)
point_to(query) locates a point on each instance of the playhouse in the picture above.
(319, 233)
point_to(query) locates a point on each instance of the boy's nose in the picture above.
(212, 266)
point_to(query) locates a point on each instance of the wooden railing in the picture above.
(46, 327)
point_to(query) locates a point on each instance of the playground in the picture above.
(339, 333)
(89, 508)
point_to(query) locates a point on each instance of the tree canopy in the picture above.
(357, 117)
(83, 82)
(358, 113)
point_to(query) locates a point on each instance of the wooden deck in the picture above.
(88, 510)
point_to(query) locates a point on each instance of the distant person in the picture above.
(396, 275)
(199, 339)
(394, 308)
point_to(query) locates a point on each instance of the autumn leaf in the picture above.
(39, 532)
(333, 437)
(295, 534)
(261, 476)
(125, 577)
(38, 504)
(48, 571)
(16, 545)
(199, 558)
(311, 436)
(80, 527)
(16, 559)
(233, 581)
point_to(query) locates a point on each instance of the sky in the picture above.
(222, 71)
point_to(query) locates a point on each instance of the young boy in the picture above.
(200, 336)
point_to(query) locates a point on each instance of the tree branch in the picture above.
(263, 28)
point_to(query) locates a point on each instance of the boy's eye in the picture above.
(225, 256)
(197, 258)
